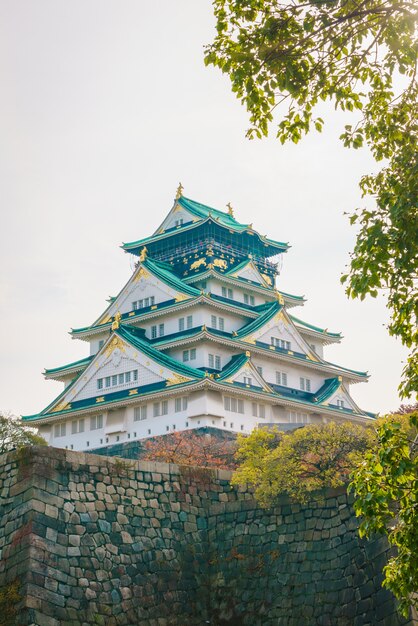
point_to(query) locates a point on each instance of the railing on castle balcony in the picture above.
(201, 247)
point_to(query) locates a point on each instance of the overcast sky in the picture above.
(104, 107)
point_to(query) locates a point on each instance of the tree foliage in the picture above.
(301, 462)
(189, 448)
(14, 435)
(386, 488)
(362, 56)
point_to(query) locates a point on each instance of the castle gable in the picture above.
(248, 271)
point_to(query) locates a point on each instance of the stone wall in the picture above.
(95, 540)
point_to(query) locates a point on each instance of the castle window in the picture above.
(142, 304)
(340, 404)
(96, 422)
(227, 293)
(233, 405)
(77, 426)
(281, 378)
(179, 222)
(180, 404)
(159, 328)
(249, 299)
(260, 370)
(140, 413)
(259, 410)
(149, 431)
(189, 320)
(305, 384)
(101, 344)
(60, 430)
(100, 383)
(280, 343)
(107, 381)
(298, 418)
(189, 355)
(181, 323)
(214, 361)
(217, 322)
(114, 380)
(160, 408)
(248, 380)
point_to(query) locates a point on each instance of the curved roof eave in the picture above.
(134, 247)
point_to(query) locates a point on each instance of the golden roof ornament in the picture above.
(230, 209)
(179, 191)
(116, 321)
(144, 254)
(280, 298)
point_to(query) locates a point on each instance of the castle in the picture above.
(198, 337)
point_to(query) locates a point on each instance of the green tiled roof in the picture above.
(269, 311)
(234, 365)
(164, 273)
(330, 386)
(312, 327)
(76, 364)
(135, 336)
(204, 213)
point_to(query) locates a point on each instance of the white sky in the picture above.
(104, 107)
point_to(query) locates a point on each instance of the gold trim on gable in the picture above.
(181, 297)
(176, 379)
(114, 344)
(63, 406)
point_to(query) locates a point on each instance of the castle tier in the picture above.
(198, 337)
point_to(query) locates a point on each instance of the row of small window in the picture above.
(117, 379)
(304, 383)
(298, 418)
(78, 426)
(280, 343)
(214, 360)
(160, 408)
(235, 405)
(228, 293)
(143, 304)
(281, 379)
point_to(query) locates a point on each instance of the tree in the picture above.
(386, 488)
(189, 448)
(362, 56)
(14, 435)
(298, 463)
